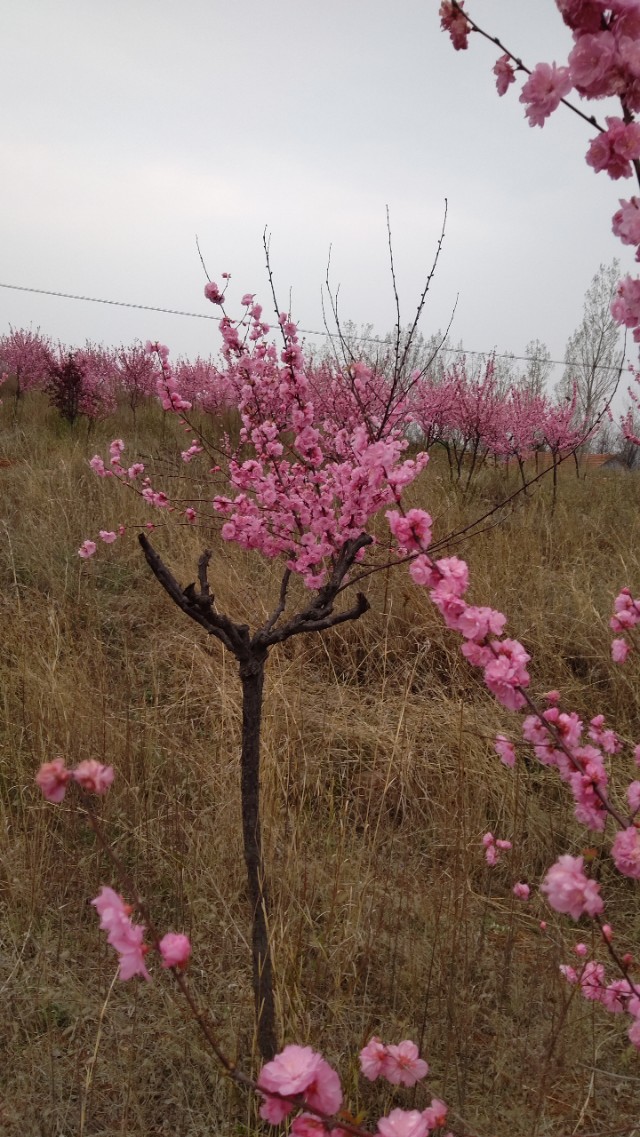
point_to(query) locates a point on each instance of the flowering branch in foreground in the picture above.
(298, 1079)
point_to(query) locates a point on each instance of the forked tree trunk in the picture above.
(251, 653)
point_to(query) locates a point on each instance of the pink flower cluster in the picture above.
(581, 766)
(300, 1078)
(505, 751)
(298, 1072)
(618, 996)
(614, 150)
(54, 777)
(127, 937)
(311, 483)
(503, 661)
(401, 1065)
(626, 616)
(504, 73)
(122, 934)
(521, 891)
(454, 21)
(544, 90)
(571, 892)
(494, 848)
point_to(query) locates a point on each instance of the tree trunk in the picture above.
(252, 677)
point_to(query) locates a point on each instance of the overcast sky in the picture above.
(131, 126)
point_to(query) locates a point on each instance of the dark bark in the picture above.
(252, 677)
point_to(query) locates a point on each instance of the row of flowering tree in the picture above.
(93, 380)
(470, 415)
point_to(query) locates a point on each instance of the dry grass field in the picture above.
(379, 780)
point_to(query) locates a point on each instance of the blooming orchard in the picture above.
(317, 460)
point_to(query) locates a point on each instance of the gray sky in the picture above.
(132, 126)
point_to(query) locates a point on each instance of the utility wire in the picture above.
(305, 331)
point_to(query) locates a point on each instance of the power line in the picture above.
(305, 331)
(114, 303)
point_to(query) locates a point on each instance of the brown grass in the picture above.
(379, 781)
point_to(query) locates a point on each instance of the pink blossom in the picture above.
(453, 21)
(306, 1125)
(124, 936)
(633, 1033)
(615, 148)
(291, 1071)
(413, 531)
(607, 739)
(194, 449)
(213, 293)
(373, 1058)
(625, 851)
(626, 222)
(615, 996)
(422, 572)
(477, 655)
(52, 778)
(570, 891)
(435, 1114)
(324, 1092)
(625, 309)
(299, 1070)
(506, 672)
(592, 64)
(494, 848)
(274, 1110)
(453, 574)
(521, 891)
(619, 650)
(569, 973)
(592, 981)
(108, 536)
(505, 750)
(581, 15)
(476, 623)
(99, 468)
(175, 950)
(403, 1123)
(404, 1067)
(542, 93)
(87, 549)
(93, 777)
(504, 73)
(633, 796)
